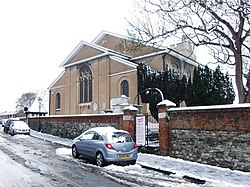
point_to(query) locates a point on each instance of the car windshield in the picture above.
(121, 137)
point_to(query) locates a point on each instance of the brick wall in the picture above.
(73, 125)
(217, 136)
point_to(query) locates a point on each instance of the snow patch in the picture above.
(64, 152)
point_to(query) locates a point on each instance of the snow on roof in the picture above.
(103, 33)
(170, 52)
(35, 106)
(8, 112)
(167, 50)
(243, 105)
(103, 130)
(106, 51)
(75, 51)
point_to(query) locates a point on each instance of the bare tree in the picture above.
(26, 100)
(221, 25)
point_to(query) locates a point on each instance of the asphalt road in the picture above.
(30, 162)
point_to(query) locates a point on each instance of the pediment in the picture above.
(83, 51)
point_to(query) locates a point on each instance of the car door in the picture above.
(94, 144)
(83, 145)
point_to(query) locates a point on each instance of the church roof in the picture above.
(103, 33)
(170, 52)
(105, 51)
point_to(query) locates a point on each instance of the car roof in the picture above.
(105, 130)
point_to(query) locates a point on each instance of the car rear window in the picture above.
(121, 137)
(18, 123)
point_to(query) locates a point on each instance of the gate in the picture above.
(152, 131)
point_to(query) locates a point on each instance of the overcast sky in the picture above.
(37, 35)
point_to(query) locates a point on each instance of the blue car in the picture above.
(105, 145)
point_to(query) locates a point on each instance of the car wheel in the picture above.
(133, 162)
(75, 153)
(100, 161)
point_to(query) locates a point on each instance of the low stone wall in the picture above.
(72, 126)
(218, 148)
(215, 136)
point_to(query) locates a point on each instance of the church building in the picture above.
(101, 75)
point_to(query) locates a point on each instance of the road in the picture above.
(28, 161)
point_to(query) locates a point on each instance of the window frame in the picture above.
(58, 102)
(85, 93)
(124, 88)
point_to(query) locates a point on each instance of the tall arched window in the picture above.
(58, 101)
(124, 88)
(85, 84)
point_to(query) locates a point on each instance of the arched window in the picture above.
(58, 101)
(124, 88)
(85, 84)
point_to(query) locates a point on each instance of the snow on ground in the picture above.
(14, 174)
(214, 176)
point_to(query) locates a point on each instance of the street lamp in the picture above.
(157, 89)
(147, 90)
(40, 104)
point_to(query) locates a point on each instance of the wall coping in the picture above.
(212, 107)
(78, 115)
(166, 103)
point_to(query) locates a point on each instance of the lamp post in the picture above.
(148, 89)
(157, 89)
(40, 103)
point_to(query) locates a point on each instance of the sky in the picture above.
(36, 36)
